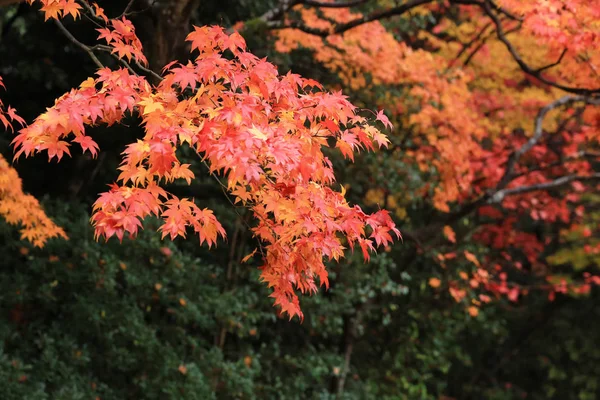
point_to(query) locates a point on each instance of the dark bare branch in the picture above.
(554, 64)
(82, 46)
(127, 8)
(579, 156)
(335, 4)
(504, 11)
(483, 41)
(468, 45)
(338, 29)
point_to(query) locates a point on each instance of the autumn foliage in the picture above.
(263, 132)
(497, 101)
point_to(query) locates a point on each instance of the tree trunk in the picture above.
(164, 29)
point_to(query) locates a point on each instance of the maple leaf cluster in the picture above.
(120, 36)
(262, 131)
(470, 98)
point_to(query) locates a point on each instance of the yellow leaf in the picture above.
(89, 82)
(150, 105)
(257, 133)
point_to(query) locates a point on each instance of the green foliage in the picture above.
(84, 319)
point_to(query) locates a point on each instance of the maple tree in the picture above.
(491, 170)
(216, 102)
(263, 132)
(470, 91)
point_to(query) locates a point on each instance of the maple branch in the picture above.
(562, 181)
(90, 50)
(72, 38)
(537, 134)
(91, 11)
(504, 11)
(338, 29)
(554, 64)
(487, 8)
(127, 8)
(148, 71)
(466, 46)
(285, 5)
(119, 60)
(482, 43)
(99, 21)
(499, 192)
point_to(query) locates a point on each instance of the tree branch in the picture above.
(487, 8)
(338, 29)
(537, 134)
(554, 64)
(480, 45)
(562, 181)
(127, 8)
(499, 192)
(85, 48)
(468, 45)
(504, 11)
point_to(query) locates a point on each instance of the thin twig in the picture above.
(554, 64)
(127, 8)
(487, 8)
(341, 28)
(86, 48)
